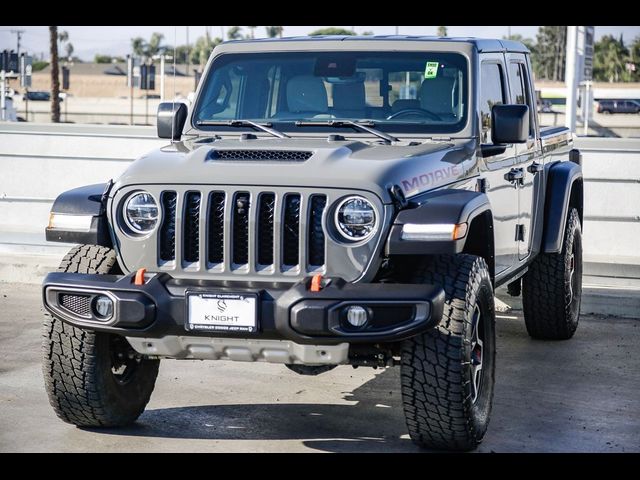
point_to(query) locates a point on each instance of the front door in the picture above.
(503, 194)
(529, 155)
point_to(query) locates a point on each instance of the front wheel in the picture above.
(448, 372)
(94, 379)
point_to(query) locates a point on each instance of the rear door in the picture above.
(502, 194)
(529, 154)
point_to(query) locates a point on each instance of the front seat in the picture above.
(436, 96)
(306, 97)
(349, 100)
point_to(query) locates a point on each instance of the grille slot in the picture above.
(266, 217)
(191, 223)
(168, 228)
(291, 231)
(315, 236)
(241, 206)
(78, 304)
(260, 155)
(216, 227)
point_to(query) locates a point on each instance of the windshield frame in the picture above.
(406, 130)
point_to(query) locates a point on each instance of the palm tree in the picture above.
(138, 45)
(274, 31)
(234, 33)
(55, 75)
(442, 31)
(251, 29)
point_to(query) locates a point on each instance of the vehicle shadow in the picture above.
(375, 423)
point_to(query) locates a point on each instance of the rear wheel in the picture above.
(552, 288)
(94, 379)
(448, 372)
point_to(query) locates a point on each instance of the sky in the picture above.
(116, 40)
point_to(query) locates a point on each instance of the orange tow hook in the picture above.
(316, 283)
(139, 280)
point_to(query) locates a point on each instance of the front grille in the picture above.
(243, 231)
(260, 155)
(78, 304)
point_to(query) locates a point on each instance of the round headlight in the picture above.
(356, 219)
(141, 212)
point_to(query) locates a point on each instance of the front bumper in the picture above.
(286, 312)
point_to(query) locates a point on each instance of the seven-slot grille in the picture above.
(238, 230)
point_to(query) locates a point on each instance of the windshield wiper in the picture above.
(364, 126)
(265, 127)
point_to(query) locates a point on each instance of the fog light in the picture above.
(104, 307)
(357, 316)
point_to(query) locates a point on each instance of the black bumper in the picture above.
(285, 312)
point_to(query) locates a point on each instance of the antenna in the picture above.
(173, 101)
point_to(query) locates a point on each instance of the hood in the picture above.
(354, 165)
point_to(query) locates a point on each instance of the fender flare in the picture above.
(87, 201)
(452, 206)
(562, 177)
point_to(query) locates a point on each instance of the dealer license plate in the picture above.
(222, 312)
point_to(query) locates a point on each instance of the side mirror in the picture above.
(509, 124)
(171, 119)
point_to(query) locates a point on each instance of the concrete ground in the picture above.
(575, 396)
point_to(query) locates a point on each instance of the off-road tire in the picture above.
(77, 363)
(436, 371)
(550, 293)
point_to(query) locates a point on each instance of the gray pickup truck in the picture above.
(325, 201)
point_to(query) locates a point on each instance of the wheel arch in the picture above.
(565, 190)
(451, 207)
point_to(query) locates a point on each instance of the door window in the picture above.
(491, 93)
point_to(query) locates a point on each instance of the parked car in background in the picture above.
(545, 106)
(618, 106)
(41, 96)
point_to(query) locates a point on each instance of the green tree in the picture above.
(367, 33)
(138, 45)
(332, 31)
(68, 49)
(234, 33)
(155, 47)
(634, 59)
(550, 55)
(610, 59)
(202, 49)
(55, 75)
(273, 32)
(442, 31)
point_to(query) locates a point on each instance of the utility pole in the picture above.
(509, 32)
(571, 78)
(19, 35)
(188, 53)
(397, 30)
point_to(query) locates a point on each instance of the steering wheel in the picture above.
(415, 111)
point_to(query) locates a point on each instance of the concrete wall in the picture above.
(39, 161)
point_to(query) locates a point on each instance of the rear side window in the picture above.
(491, 93)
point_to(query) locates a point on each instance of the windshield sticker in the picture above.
(431, 70)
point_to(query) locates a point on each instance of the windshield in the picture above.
(410, 92)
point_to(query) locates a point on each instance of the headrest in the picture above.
(436, 95)
(349, 96)
(306, 93)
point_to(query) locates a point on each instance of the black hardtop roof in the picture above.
(482, 44)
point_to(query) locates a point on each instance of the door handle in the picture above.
(515, 175)
(535, 167)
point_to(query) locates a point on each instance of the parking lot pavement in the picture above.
(576, 396)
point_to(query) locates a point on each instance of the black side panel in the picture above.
(86, 200)
(561, 177)
(442, 207)
(81, 201)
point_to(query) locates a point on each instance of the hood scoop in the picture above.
(250, 155)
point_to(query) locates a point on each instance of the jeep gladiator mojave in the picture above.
(325, 201)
